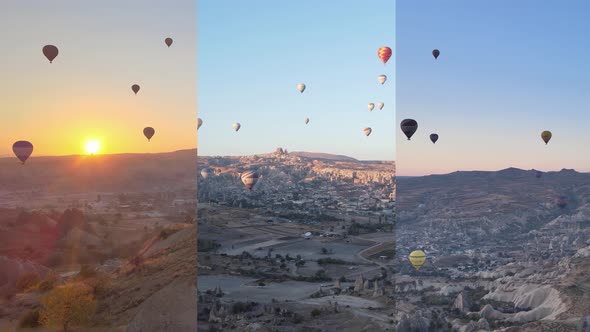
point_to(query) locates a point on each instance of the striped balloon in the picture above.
(250, 178)
(384, 53)
(22, 150)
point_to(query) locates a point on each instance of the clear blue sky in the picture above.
(507, 71)
(252, 54)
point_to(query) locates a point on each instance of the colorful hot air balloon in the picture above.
(380, 105)
(371, 106)
(301, 87)
(384, 53)
(306, 120)
(148, 132)
(367, 131)
(435, 53)
(168, 41)
(199, 123)
(546, 136)
(50, 52)
(22, 150)
(205, 172)
(382, 79)
(409, 127)
(417, 258)
(236, 126)
(135, 88)
(434, 138)
(250, 178)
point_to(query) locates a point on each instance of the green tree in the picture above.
(67, 306)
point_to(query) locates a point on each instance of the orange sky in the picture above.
(105, 47)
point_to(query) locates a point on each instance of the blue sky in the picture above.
(252, 55)
(507, 71)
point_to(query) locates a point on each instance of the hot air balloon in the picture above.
(50, 52)
(236, 126)
(409, 127)
(546, 136)
(561, 201)
(417, 258)
(135, 88)
(435, 53)
(306, 120)
(148, 132)
(168, 41)
(301, 87)
(199, 123)
(380, 105)
(382, 79)
(384, 53)
(371, 106)
(205, 172)
(367, 131)
(250, 178)
(434, 138)
(22, 150)
(538, 174)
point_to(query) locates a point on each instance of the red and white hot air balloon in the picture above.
(249, 178)
(367, 131)
(384, 53)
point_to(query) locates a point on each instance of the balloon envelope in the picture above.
(433, 138)
(384, 53)
(250, 178)
(306, 120)
(435, 53)
(380, 105)
(135, 88)
(538, 174)
(382, 79)
(236, 126)
(199, 123)
(546, 136)
(409, 127)
(205, 172)
(50, 52)
(371, 106)
(301, 87)
(22, 150)
(417, 258)
(168, 41)
(148, 132)
(367, 131)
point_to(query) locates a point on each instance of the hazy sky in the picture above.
(105, 47)
(252, 55)
(507, 71)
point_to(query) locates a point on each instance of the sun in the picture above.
(92, 146)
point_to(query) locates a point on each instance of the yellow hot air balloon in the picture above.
(417, 258)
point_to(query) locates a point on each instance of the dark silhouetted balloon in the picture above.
(409, 127)
(435, 53)
(546, 136)
(561, 201)
(148, 132)
(135, 88)
(168, 41)
(50, 52)
(22, 150)
(433, 138)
